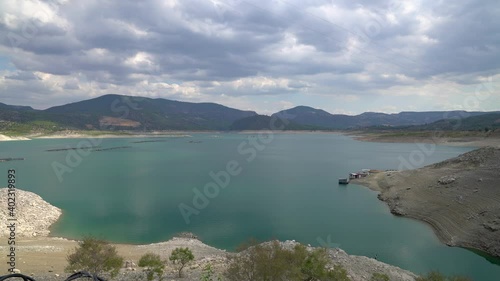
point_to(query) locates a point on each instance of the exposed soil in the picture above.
(459, 197)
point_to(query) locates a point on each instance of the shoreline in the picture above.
(457, 198)
(44, 255)
(470, 139)
(45, 258)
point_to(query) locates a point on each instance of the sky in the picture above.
(343, 56)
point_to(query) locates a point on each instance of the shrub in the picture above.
(95, 256)
(379, 277)
(337, 274)
(273, 262)
(153, 264)
(181, 256)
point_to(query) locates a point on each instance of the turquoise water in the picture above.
(288, 190)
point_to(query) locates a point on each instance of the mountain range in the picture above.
(118, 112)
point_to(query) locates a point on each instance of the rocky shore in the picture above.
(44, 257)
(34, 215)
(459, 198)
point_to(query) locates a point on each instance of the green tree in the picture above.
(181, 256)
(153, 264)
(379, 277)
(95, 256)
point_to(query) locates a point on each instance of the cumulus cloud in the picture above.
(257, 55)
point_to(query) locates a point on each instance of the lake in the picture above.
(280, 186)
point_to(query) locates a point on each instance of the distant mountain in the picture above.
(151, 114)
(264, 122)
(15, 113)
(4, 106)
(317, 117)
(117, 112)
(486, 122)
(112, 112)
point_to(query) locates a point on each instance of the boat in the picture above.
(343, 181)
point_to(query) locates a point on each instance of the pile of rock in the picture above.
(446, 180)
(34, 215)
(130, 265)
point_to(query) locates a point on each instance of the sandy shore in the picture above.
(459, 198)
(80, 135)
(7, 138)
(107, 136)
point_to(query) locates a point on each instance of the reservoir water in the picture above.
(282, 186)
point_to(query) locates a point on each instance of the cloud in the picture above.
(22, 75)
(281, 52)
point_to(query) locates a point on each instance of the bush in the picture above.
(153, 264)
(95, 256)
(272, 262)
(181, 256)
(337, 274)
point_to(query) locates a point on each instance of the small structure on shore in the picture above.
(365, 172)
(343, 181)
(354, 176)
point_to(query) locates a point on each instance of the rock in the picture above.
(492, 226)
(129, 264)
(186, 235)
(194, 266)
(34, 215)
(446, 180)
